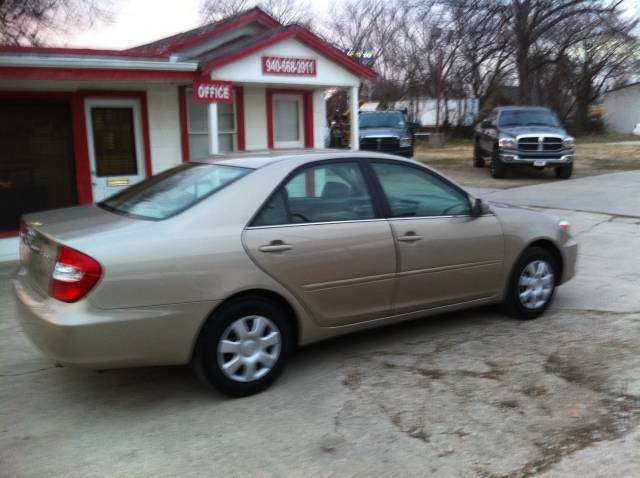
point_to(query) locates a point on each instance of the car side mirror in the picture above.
(478, 207)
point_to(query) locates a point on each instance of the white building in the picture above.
(622, 109)
(76, 125)
(462, 111)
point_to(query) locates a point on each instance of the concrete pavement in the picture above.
(615, 194)
(466, 394)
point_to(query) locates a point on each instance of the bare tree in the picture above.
(607, 56)
(35, 22)
(533, 22)
(485, 54)
(285, 11)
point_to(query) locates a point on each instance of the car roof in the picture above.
(521, 108)
(380, 112)
(259, 159)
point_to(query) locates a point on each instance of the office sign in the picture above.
(213, 91)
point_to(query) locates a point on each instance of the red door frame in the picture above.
(307, 102)
(184, 120)
(79, 131)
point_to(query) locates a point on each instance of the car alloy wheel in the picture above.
(249, 348)
(536, 284)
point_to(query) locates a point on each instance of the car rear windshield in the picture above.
(392, 119)
(172, 191)
(528, 118)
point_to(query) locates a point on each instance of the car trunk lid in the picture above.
(43, 233)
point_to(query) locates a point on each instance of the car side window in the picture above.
(324, 193)
(413, 192)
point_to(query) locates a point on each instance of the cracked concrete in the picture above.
(472, 393)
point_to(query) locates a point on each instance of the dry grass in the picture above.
(594, 155)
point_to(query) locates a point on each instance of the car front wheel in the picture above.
(532, 284)
(244, 347)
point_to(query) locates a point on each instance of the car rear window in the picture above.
(172, 191)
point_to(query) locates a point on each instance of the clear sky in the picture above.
(140, 21)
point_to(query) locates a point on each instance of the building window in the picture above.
(198, 127)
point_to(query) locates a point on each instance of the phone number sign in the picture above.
(278, 65)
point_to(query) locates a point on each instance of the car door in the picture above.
(320, 236)
(445, 256)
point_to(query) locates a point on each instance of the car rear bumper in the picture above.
(82, 335)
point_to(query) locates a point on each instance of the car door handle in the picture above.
(409, 237)
(275, 246)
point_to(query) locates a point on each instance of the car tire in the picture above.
(532, 284)
(564, 172)
(244, 346)
(478, 160)
(498, 168)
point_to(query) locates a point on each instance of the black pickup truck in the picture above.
(514, 136)
(386, 131)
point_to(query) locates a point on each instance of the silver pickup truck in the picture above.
(513, 136)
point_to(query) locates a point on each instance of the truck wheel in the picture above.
(498, 169)
(564, 172)
(478, 160)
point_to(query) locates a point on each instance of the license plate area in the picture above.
(539, 163)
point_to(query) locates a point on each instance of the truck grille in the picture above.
(379, 144)
(539, 143)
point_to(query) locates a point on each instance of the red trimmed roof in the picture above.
(249, 45)
(222, 55)
(78, 51)
(190, 38)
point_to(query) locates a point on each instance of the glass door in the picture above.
(288, 121)
(116, 155)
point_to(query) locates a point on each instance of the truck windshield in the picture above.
(172, 191)
(391, 119)
(528, 118)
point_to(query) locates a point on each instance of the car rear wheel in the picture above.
(564, 172)
(532, 284)
(244, 347)
(478, 160)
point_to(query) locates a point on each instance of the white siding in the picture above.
(622, 109)
(164, 127)
(249, 68)
(255, 118)
(8, 250)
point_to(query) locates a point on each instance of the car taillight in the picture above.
(74, 275)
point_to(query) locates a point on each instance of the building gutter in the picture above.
(30, 61)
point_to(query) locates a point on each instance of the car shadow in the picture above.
(144, 389)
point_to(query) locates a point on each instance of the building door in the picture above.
(116, 153)
(37, 168)
(288, 121)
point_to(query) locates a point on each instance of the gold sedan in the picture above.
(230, 262)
